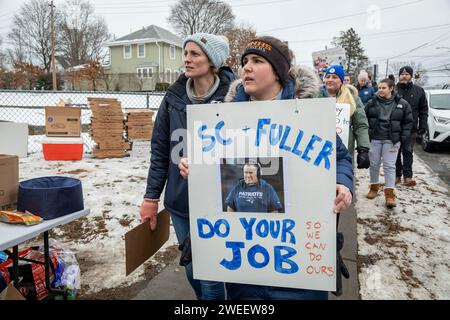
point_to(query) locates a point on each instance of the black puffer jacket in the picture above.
(401, 118)
(172, 117)
(417, 99)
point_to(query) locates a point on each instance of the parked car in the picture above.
(438, 130)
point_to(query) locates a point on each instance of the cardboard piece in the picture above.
(141, 243)
(11, 293)
(9, 179)
(62, 121)
(14, 138)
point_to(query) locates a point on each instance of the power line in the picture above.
(424, 45)
(167, 9)
(440, 26)
(121, 3)
(341, 17)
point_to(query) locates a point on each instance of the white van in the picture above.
(438, 130)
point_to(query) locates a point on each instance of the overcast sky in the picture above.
(402, 31)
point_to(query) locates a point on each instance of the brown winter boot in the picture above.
(390, 197)
(398, 180)
(409, 182)
(373, 192)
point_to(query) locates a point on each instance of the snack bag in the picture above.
(26, 217)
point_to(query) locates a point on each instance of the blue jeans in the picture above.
(240, 291)
(204, 289)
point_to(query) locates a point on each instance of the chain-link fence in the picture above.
(21, 106)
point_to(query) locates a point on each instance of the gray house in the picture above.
(140, 60)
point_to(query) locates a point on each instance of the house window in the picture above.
(168, 78)
(144, 73)
(127, 52)
(172, 52)
(141, 50)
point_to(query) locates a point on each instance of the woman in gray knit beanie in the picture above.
(204, 54)
(204, 81)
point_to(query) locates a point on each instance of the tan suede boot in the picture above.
(409, 182)
(398, 180)
(390, 197)
(373, 192)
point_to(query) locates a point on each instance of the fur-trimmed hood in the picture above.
(303, 83)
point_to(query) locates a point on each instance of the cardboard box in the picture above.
(11, 293)
(62, 121)
(9, 179)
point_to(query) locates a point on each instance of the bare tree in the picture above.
(2, 55)
(30, 35)
(192, 16)
(238, 38)
(420, 76)
(108, 79)
(26, 75)
(82, 35)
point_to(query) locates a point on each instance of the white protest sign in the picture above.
(343, 121)
(295, 247)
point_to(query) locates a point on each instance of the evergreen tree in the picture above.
(354, 52)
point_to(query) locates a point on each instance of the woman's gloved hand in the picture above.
(149, 212)
(363, 158)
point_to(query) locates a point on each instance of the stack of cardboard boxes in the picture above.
(139, 124)
(63, 133)
(107, 129)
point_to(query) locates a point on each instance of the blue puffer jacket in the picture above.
(365, 93)
(172, 116)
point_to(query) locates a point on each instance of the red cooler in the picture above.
(62, 148)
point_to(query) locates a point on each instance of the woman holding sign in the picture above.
(334, 87)
(204, 81)
(267, 74)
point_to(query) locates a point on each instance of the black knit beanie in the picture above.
(407, 69)
(276, 55)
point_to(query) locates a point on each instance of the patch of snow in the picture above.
(405, 251)
(113, 190)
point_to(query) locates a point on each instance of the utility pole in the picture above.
(52, 23)
(387, 66)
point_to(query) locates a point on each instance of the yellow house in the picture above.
(140, 60)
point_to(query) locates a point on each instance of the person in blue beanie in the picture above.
(358, 127)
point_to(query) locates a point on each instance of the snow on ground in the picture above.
(404, 253)
(112, 190)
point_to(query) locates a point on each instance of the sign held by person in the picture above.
(262, 184)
